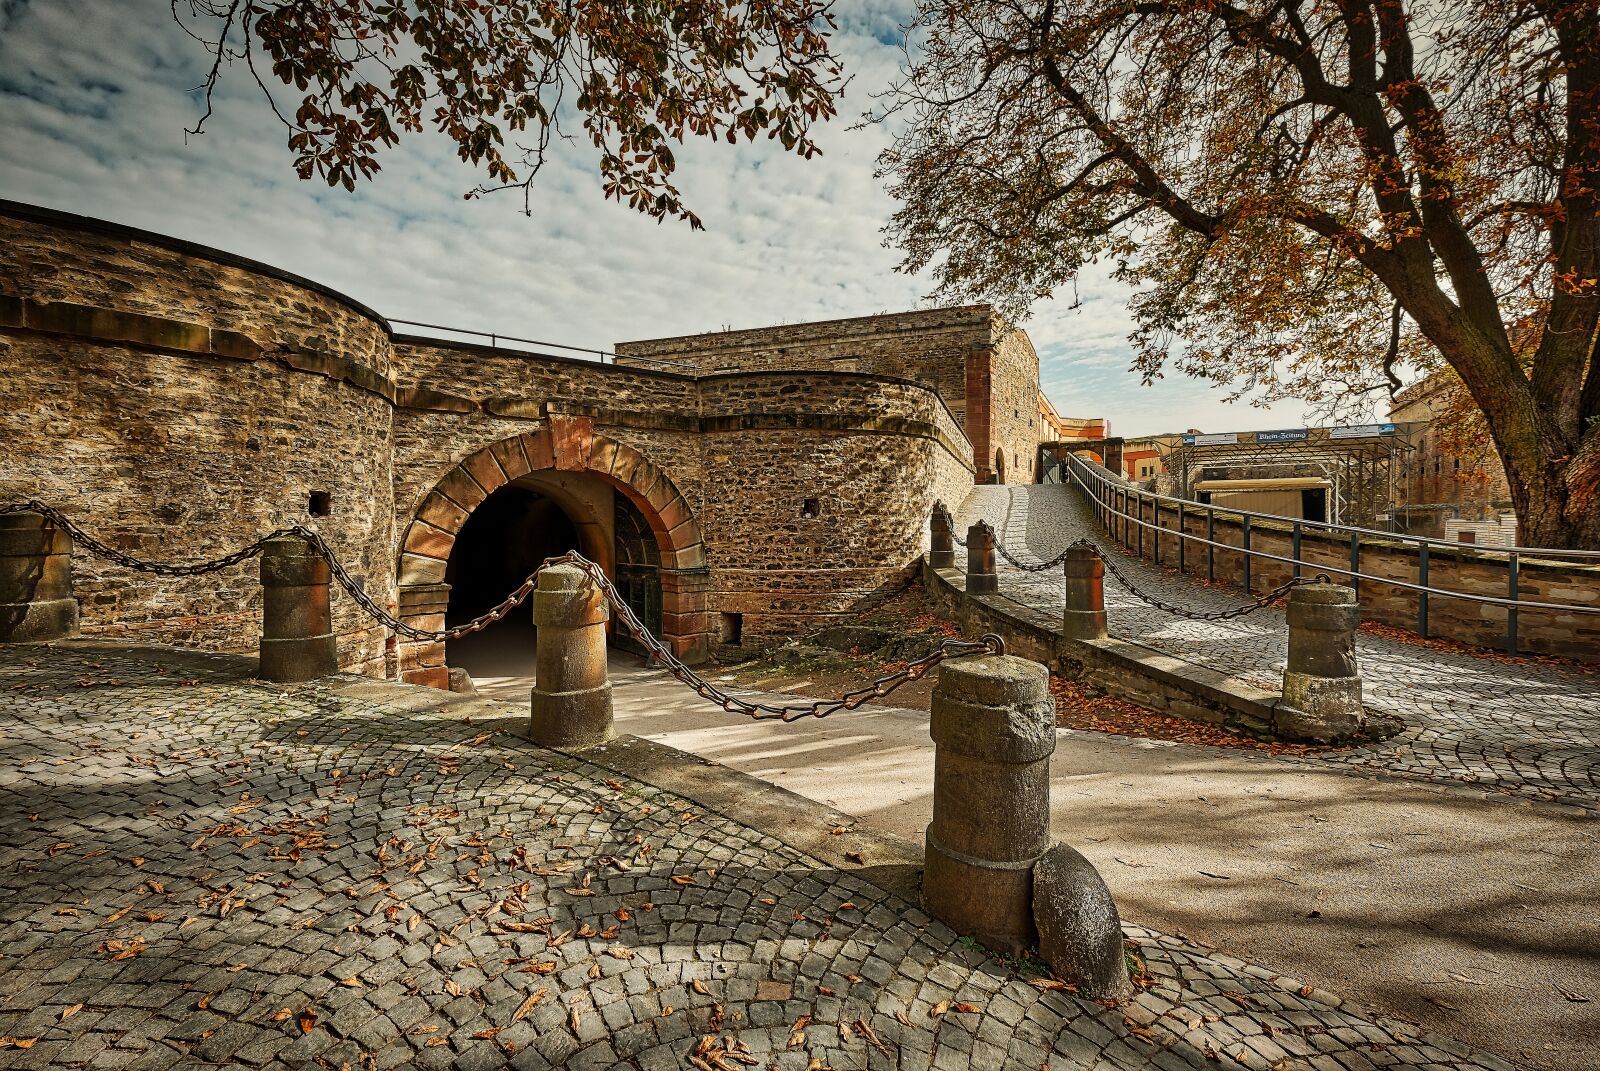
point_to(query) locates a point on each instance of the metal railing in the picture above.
(1113, 499)
(495, 339)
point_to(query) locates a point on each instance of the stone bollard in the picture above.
(297, 641)
(36, 600)
(981, 577)
(942, 549)
(571, 705)
(993, 727)
(1085, 615)
(1321, 687)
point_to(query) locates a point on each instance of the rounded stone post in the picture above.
(36, 600)
(1085, 615)
(571, 705)
(1321, 685)
(942, 550)
(981, 577)
(993, 728)
(297, 641)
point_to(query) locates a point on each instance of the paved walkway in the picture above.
(1528, 730)
(1426, 902)
(201, 869)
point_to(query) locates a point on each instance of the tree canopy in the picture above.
(1303, 194)
(502, 78)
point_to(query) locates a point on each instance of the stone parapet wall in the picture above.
(1551, 632)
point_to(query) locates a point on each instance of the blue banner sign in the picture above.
(1361, 431)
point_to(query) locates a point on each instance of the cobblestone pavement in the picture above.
(1529, 730)
(203, 869)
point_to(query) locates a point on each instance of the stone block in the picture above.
(462, 489)
(485, 471)
(1080, 931)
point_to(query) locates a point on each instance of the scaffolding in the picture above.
(1359, 462)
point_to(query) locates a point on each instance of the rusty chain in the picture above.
(820, 708)
(128, 561)
(660, 652)
(1261, 601)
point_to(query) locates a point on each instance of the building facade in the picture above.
(1436, 491)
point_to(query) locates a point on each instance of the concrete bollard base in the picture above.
(979, 898)
(33, 622)
(1323, 709)
(36, 600)
(581, 718)
(299, 658)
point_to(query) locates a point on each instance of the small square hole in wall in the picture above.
(733, 629)
(320, 504)
(811, 507)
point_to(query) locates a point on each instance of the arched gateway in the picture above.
(557, 470)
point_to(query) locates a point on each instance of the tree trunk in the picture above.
(1555, 503)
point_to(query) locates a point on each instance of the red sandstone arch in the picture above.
(568, 444)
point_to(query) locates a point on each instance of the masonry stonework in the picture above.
(178, 402)
(985, 370)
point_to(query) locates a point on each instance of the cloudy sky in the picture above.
(95, 96)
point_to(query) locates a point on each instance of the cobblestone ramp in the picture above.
(202, 869)
(1528, 730)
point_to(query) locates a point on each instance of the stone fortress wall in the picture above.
(985, 370)
(178, 401)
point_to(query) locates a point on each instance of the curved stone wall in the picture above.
(141, 393)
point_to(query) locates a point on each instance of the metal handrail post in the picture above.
(1183, 537)
(1422, 595)
(1211, 550)
(1155, 537)
(1513, 584)
(1294, 543)
(1355, 564)
(1244, 546)
(1138, 498)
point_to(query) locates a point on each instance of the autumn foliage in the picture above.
(1305, 195)
(501, 79)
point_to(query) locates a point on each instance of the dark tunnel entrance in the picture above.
(503, 541)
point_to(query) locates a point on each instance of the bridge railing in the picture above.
(1133, 515)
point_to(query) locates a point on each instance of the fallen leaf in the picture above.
(939, 1009)
(528, 1005)
(1572, 994)
(307, 1021)
(75, 1009)
(854, 857)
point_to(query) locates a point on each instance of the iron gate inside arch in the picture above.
(638, 570)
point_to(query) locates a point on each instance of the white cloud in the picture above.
(95, 97)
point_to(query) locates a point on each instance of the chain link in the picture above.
(821, 708)
(1260, 602)
(660, 652)
(95, 546)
